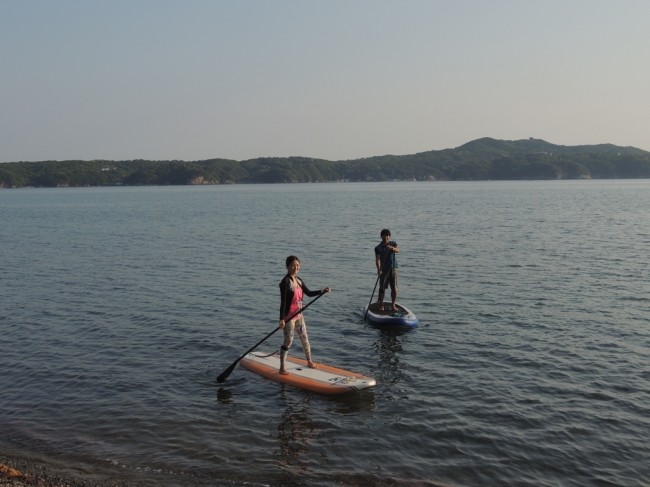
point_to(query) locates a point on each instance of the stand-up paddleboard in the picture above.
(387, 317)
(324, 379)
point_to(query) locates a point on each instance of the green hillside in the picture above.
(479, 159)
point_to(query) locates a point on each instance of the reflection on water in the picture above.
(295, 433)
(224, 396)
(307, 430)
(389, 371)
(353, 402)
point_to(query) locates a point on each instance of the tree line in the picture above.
(482, 159)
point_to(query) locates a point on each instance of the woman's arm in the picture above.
(310, 293)
(284, 302)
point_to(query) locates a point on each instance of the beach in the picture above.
(18, 472)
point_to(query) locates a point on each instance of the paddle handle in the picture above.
(224, 375)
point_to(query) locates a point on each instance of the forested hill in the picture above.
(480, 159)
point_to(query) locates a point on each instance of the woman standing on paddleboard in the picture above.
(292, 289)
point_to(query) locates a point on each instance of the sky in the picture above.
(194, 80)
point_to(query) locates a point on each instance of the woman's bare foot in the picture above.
(312, 365)
(283, 372)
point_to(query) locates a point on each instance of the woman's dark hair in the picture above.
(290, 259)
(385, 231)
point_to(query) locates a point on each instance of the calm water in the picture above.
(531, 366)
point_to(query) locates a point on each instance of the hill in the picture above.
(479, 159)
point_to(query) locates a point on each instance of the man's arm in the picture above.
(378, 263)
(394, 248)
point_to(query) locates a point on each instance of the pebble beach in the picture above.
(22, 472)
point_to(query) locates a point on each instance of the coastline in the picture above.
(31, 474)
(478, 160)
(19, 471)
(23, 468)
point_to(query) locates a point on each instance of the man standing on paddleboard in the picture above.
(386, 263)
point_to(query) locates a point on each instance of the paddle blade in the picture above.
(224, 375)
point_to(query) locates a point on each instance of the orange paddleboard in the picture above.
(324, 379)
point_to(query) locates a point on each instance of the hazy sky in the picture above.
(330, 79)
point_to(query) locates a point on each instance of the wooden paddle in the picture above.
(224, 375)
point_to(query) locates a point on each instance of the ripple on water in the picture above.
(529, 367)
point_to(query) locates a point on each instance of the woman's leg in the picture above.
(286, 344)
(301, 327)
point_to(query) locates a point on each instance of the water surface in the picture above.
(120, 306)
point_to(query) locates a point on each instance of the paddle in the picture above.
(224, 375)
(376, 282)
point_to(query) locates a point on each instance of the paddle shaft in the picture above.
(224, 375)
(375, 288)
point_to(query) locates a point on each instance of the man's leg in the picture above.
(393, 288)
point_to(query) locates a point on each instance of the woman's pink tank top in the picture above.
(296, 303)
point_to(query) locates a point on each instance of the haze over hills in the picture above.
(480, 159)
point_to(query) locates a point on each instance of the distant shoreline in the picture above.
(318, 182)
(479, 160)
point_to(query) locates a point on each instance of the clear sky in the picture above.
(331, 79)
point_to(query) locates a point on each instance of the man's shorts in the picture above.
(388, 278)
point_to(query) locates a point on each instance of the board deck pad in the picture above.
(325, 379)
(401, 311)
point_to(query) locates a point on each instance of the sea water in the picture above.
(531, 365)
